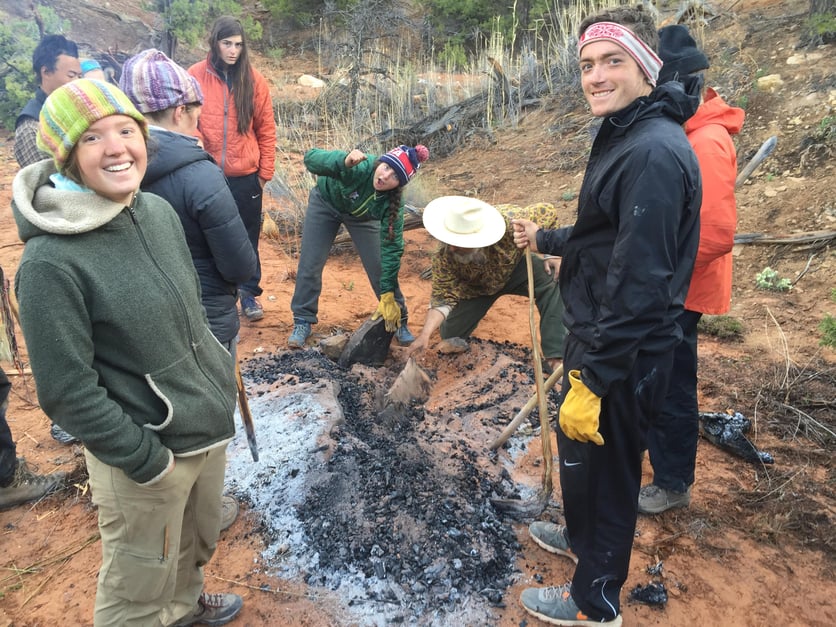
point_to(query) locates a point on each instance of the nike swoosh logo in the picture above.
(256, 196)
(570, 464)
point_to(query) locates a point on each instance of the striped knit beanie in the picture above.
(154, 82)
(405, 161)
(70, 110)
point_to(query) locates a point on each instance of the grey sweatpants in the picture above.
(322, 221)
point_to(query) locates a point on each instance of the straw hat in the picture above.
(464, 222)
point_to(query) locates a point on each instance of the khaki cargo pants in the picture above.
(155, 539)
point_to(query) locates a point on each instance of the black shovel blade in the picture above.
(368, 345)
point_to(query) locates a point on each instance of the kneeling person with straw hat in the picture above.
(477, 262)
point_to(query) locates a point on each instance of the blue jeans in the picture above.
(322, 221)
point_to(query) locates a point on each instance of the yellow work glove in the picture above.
(389, 309)
(580, 411)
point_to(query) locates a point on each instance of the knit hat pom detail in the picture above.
(422, 152)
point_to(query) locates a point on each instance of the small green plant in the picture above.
(567, 196)
(721, 327)
(743, 102)
(828, 331)
(768, 279)
(348, 286)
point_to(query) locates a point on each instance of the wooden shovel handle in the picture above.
(526, 410)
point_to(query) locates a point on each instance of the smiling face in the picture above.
(385, 178)
(610, 78)
(229, 49)
(111, 157)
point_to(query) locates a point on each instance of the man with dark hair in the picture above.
(625, 268)
(55, 62)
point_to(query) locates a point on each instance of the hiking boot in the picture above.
(229, 511)
(404, 335)
(213, 609)
(301, 332)
(59, 435)
(655, 500)
(556, 606)
(251, 308)
(552, 537)
(27, 486)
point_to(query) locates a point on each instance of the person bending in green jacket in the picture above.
(364, 194)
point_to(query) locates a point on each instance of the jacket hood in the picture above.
(714, 110)
(667, 99)
(173, 151)
(39, 208)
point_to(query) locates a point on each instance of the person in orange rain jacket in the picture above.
(672, 439)
(239, 131)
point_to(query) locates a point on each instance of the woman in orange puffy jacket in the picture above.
(239, 131)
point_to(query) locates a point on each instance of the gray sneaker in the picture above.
(301, 332)
(552, 537)
(213, 609)
(655, 500)
(28, 486)
(555, 605)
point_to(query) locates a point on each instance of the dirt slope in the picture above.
(757, 545)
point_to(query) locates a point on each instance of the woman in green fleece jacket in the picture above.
(364, 194)
(123, 357)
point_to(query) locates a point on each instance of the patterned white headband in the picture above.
(648, 61)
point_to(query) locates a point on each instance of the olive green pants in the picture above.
(155, 539)
(466, 315)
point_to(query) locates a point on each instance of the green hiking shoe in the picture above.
(552, 537)
(655, 500)
(555, 605)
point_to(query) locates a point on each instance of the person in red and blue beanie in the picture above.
(364, 193)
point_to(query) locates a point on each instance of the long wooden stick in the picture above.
(523, 413)
(246, 415)
(545, 431)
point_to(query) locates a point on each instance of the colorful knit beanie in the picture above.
(154, 82)
(70, 110)
(405, 161)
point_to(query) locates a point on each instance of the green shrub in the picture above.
(768, 279)
(828, 330)
(721, 327)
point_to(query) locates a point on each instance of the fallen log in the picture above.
(802, 238)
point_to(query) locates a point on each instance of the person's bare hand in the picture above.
(416, 348)
(551, 265)
(354, 157)
(525, 234)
